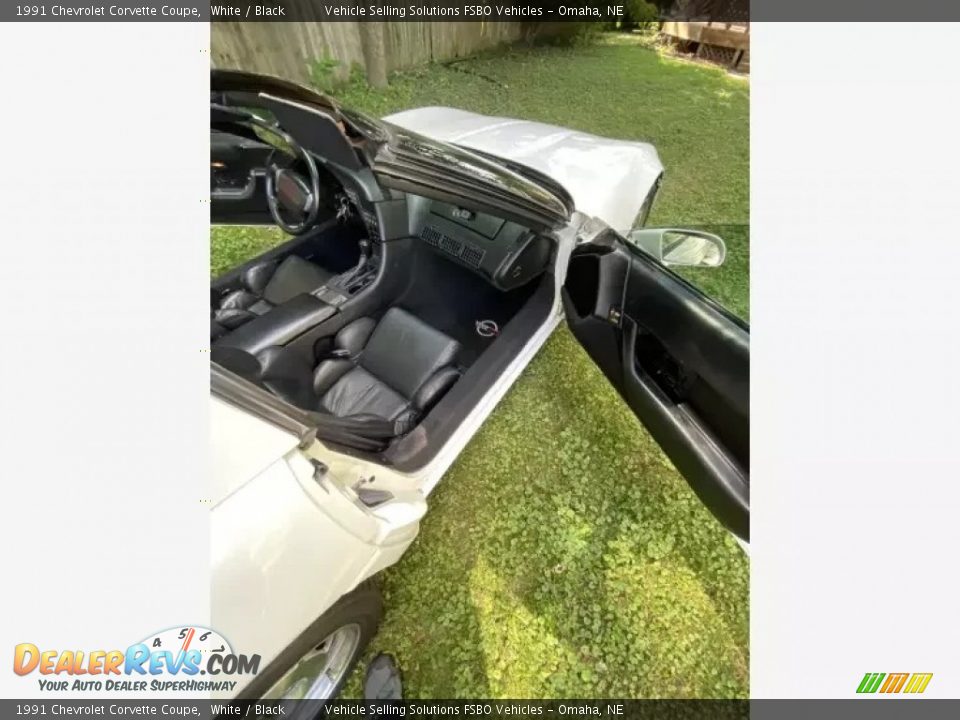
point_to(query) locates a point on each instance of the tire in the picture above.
(362, 608)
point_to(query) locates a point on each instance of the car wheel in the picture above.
(317, 664)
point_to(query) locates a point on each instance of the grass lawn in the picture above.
(563, 555)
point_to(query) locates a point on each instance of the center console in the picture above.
(342, 287)
(281, 325)
(292, 320)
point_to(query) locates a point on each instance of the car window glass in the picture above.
(728, 284)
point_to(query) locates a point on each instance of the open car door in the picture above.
(679, 360)
(238, 177)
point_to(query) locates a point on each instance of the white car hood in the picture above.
(606, 178)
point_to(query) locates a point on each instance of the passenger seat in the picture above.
(396, 369)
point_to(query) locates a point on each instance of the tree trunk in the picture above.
(374, 53)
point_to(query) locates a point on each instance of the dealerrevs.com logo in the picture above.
(893, 683)
(180, 659)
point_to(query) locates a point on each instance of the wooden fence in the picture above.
(288, 49)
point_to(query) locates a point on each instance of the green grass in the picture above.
(563, 555)
(230, 246)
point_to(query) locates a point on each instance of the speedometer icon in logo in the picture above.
(190, 650)
(183, 639)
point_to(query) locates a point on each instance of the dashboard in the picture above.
(507, 254)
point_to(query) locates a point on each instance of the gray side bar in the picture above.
(458, 11)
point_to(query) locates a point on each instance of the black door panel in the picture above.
(679, 360)
(237, 178)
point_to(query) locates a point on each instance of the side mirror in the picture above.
(675, 246)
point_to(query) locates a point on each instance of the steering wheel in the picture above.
(289, 193)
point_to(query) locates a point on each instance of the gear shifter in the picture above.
(365, 246)
(349, 277)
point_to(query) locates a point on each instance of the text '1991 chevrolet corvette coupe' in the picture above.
(430, 256)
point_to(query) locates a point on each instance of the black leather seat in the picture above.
(395, 370)
(263, 287)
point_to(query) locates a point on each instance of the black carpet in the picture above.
(453, 300)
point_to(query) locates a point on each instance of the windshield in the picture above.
(415, 153)
(365, 124)
(394, 153)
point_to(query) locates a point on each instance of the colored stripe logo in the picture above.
(913, 683)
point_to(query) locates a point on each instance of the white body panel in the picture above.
(608, 179)
(285, 547)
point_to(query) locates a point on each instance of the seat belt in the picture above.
(369, 431)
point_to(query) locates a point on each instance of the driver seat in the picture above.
(265, 286)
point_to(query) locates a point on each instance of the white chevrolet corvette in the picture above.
(432, 254)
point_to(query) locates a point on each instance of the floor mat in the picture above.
(460, 303)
